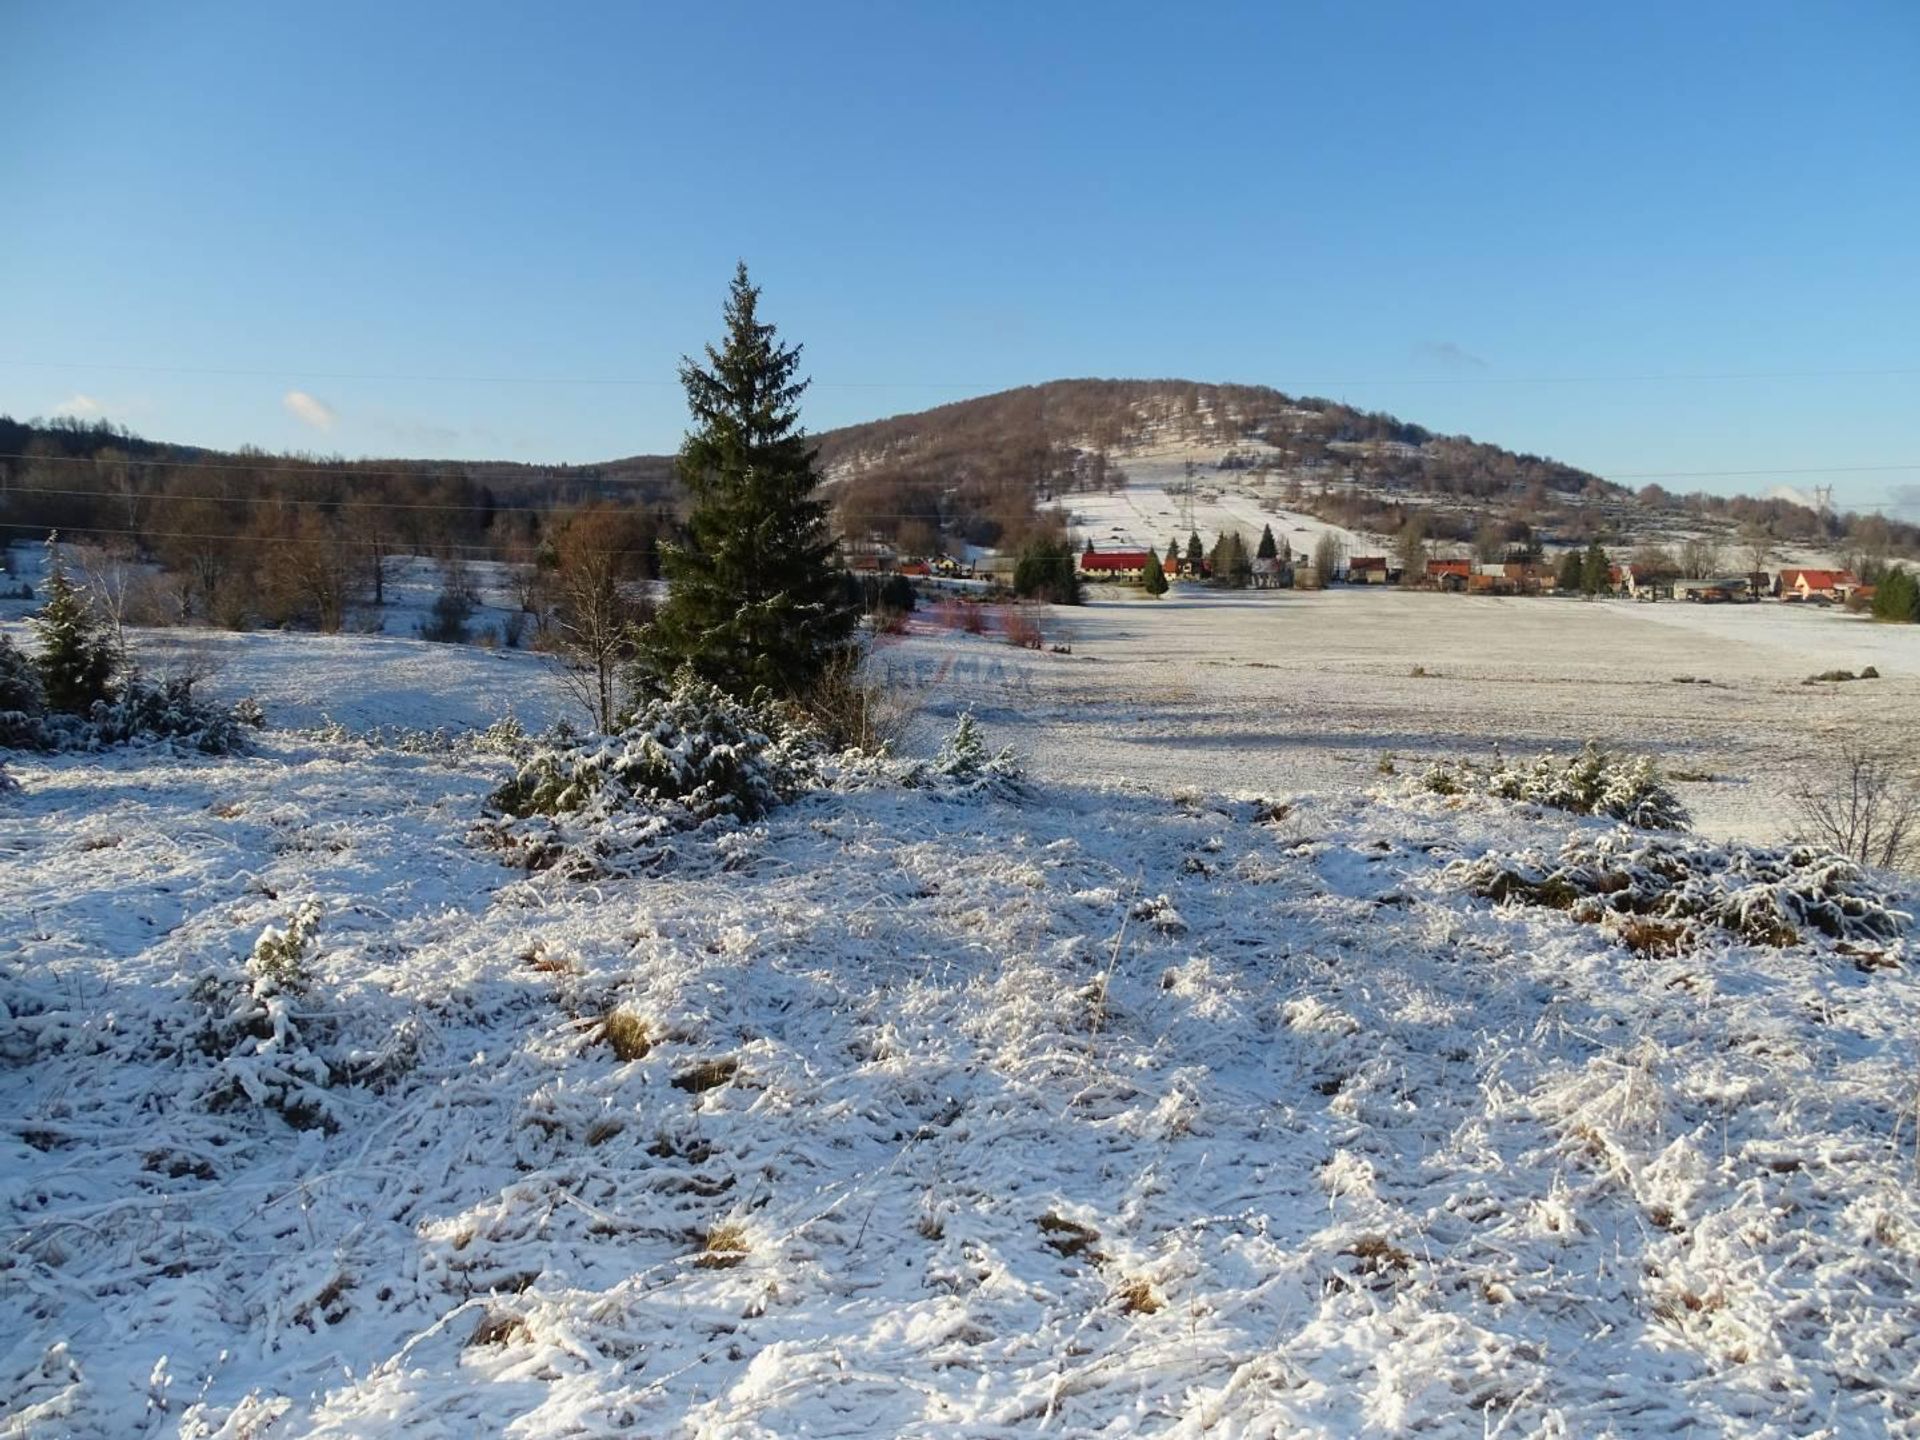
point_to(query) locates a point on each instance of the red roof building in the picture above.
(1114, 564)
(1801, 584)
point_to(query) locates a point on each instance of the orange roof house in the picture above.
(1803, 584)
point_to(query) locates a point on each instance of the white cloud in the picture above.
(308, 409)
(82, 407)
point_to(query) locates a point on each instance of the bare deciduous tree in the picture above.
(1699, 558)
(598, 608)
(112, 576)
(1863, 807)
(1328, 553)
(312, 570)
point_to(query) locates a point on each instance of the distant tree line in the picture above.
(246, 538)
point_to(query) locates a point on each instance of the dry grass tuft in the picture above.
(602, 1131)
(630, 1036)
(707, 1075)
(1379, 1256)
(1654, 937)
(537, 957)
(498, 1328)
(1138, 1297)
(1068, 1237)
(725, 1246)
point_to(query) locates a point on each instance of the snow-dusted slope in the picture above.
(1154, 509)
(1092, 1111)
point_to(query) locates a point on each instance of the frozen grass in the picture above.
(962, 1110)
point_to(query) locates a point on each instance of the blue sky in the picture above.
(1639, 237)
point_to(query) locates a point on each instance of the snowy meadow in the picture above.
(1262, 1062)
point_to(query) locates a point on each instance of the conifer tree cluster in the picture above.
(1048, 570)
(1230, 564)
(754, 598)
(1897, 596)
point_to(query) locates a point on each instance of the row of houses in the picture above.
(1506, 577)
(1535, 577)
(1799, 584)
(1097, 564)
(1517, 576)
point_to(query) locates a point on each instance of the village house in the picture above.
(1367, 570)
(1717, 590)
(1630, 580)
(1274, 573)
(1114, 564)
(1802, 584)
(1449, 574)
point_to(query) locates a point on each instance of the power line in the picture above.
(1294, 382)
(239, 537)
(165, 498)
(354, 470)
(336, 469)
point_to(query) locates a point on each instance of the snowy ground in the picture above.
(1292, 689)
(1125, 1106)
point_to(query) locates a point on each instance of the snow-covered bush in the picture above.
(1768, 895)
(277, 1047)
(137, 710)
(692, 755)
(20, 689)
(1597, 781)
(280, 957)
(140, 711)
(966, 763)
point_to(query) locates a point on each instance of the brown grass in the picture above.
(1138, 1297)
(725, 1246)
(628, 1035)
(1379, 1256)
(707, 1075)
(1654, 937)
(1068, 1237)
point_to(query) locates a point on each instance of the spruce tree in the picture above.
(1196, 554)
(754, 598)
(77, 658)
(1239, 562)
(1593, 570)
(1155, 578)
(1269, 547)
(1572, 572)
(1173, 556)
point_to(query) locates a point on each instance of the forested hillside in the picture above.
(981, 465)
(979, 469)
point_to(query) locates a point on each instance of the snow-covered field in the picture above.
(1188, 1092)
(1292, 689)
